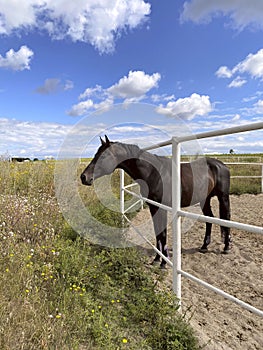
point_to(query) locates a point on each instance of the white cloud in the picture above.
(243, 13)
(38, 139)
(187, 108)
(224, 72)
(131, 88)
(81, 108)
(253, 97)
(68, 85)
(33, 139)
(252, 65)
(91, 92)
(16, 14)
(104, 105)
(237, 82)
(164, 97)
(135, 85)
(236, 118)
(17, 60)
(98, 22)
(258, 107)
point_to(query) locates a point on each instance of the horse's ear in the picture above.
(102, 141)
(107, 140)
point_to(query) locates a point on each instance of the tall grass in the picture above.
(59, 291)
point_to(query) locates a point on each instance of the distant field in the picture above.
(240, 158)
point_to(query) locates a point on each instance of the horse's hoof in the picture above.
(226, 251)
(203, 250)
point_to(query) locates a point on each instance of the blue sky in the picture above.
(65, 65)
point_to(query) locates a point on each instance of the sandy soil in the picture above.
(219, 323)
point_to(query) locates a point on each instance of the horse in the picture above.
(201, 179)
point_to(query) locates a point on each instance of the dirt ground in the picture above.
(219, 323)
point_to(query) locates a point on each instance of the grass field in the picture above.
(59, 291)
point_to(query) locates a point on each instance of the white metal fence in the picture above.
(177, 213)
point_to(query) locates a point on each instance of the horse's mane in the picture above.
(131, 149)
(135, 151)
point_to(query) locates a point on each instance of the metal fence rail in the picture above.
(177, 213)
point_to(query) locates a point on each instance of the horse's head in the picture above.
(104, 162)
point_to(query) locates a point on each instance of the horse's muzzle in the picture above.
(85, 180)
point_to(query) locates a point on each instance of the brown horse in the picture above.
(200, 181)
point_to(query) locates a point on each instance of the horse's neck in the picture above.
(138, 164)
(130, 166)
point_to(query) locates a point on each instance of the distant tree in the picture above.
(231, 151)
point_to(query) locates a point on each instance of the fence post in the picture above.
(122, 191)
(176, 219)
(262, 178)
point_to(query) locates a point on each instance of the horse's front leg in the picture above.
(162, 242)
(157, 256)
(225, 232)
(159, 217)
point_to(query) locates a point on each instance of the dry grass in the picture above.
(58, 291)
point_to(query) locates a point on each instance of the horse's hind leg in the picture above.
(224, 211)
(207, 211)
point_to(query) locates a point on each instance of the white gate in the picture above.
(177, 213)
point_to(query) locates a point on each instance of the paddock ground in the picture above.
(219, 323)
